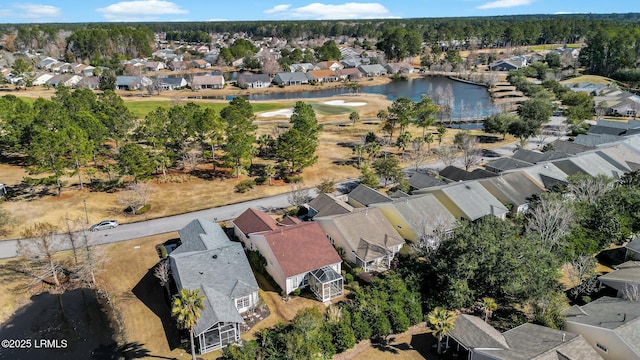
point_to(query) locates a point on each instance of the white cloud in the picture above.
(140, 10)
(32, 12)
(504, 4)
(329, 11)
(277, 9)
(562, 13)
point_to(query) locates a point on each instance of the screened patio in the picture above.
(326, 283)
(218, 336)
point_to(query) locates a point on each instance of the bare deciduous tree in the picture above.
(73, 237)
(551, 220)
(419, 154)
(589, 188)
(136, 196)
(468, 144)
(298, 194)
(581, 273)
(431, 231)
(447, 154)
(631, 292)
(40, 251)
(191, 158)
(270, 64)
(5, 220)
(162, 273)
(92, 258)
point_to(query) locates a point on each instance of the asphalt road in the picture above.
(174, 223)
(8, 248)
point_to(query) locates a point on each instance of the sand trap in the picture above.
(283, 112)
(345, 103)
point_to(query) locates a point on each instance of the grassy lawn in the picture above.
(594, 79)
(141, 108)
(324, 109)
(553, 46)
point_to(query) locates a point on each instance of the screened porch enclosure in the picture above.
(218, 336)
(326, 283)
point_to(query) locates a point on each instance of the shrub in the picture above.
(348, 278)
(245, 185)
(261, 180)
(143, 210)
(292, 179)
(296, 292)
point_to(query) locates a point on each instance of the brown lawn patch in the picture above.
(411, 345)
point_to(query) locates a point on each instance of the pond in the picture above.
(469, 101)
(64, 326)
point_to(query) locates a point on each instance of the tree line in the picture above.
(80, 132)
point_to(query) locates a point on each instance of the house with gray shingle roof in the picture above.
(590, 163)
(207, 81)
(593, 140)
(501, 165)
(301, 67)
(367, 238)
(546, 175)
(290, 78)
(418, 218)
(534, 157)
(453, 173)
(513, 189)
(328, 205)
(625, 278)
(623, 153)
(208, 261)
(467, 200)
(570, 147)
(526, 342)
(610, 325)
(419, 181)
(254, 81)
(363, 196)
(372, 70)
(633, 249)
(132, 82)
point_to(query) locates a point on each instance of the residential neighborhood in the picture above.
(318, 184)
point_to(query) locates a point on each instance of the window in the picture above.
(602, 347)
(243, 302)
(331, 239)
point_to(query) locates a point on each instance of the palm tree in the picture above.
(186, 309)
(270, 171)
(354, 117)
(488, 306)
(440, 321)
(428, 138)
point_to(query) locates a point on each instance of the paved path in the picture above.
(174, 223)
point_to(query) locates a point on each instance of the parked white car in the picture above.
(104, 225)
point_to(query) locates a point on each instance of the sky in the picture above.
(12, 11)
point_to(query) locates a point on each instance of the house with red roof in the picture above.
(252, 221)
(300, 256)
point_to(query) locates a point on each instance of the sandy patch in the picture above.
(282, 112)
(345, 103)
